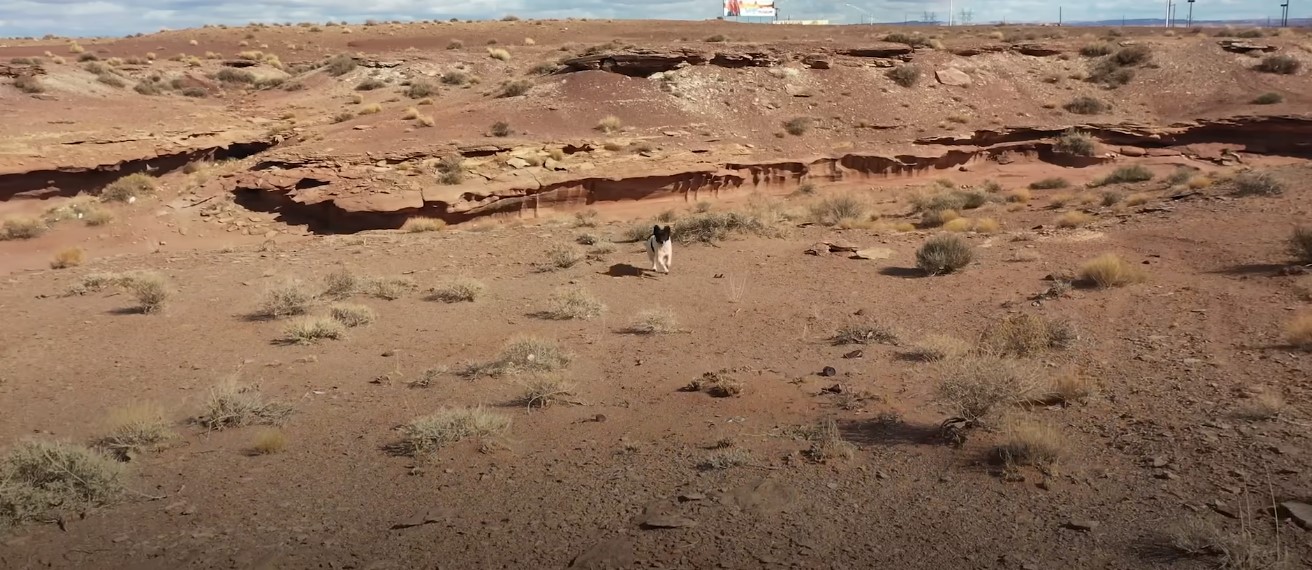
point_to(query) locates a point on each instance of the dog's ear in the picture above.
(656, 230)
(668, 231)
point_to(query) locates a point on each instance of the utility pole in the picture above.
(1059, 15)
(1191, 13)
(1284, 14)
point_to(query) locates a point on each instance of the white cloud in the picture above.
(118, 17)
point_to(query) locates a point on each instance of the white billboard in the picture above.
(749, 8)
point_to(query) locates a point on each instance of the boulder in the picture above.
(952, 76)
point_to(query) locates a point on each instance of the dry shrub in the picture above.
(936, 347)
(945, 253)
(797, 126)
(352, 315)
(342, 284)
(1069, 389)
(1279, 64)
(1201, 539)
(22, 227)
(150, 289)
(1050, 184)
(573, 303)
(135, 429)
(609, 124)
(561, 256)
(42, 480)
(586, 219)
(1299, 331)
(831, 210)
(498, 54)
(1074, 219)
(1026, 335)
(986, 226)
(522, 355)
(1127, 174)
(422, 224)
(269, 442)
(310, 330)
(129, 188)
(544, 390)
(390, 288)
(974, 387)
(1300, 244)
(1110, 270)
(654, 321)
(1028, 442)
(1257, 184)
(864, 333)
(286, 298)
(1268, 99)
(761, 218)
(449, 426)
(233, 405)
(1137, 199)
(1085, 105)
(340, 64)
(29, 84)
(1072, 142)
(68, 257)
(458, 289)
(905, 75)
(1265, 405)
(827, 443)
(937, 218)
(725, 459)
(515, 88)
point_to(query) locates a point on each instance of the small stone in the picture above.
(1167, 474)
(854, 354)
(1299, 511)
(691, 497)
(1082, 525)
(389, 353)
(829, 371)
(952, 76)
(668, 521)
(1159, 462)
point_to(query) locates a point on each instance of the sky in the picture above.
(121, 17)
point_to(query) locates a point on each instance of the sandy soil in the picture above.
(1162, 442)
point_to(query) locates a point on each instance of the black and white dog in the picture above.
(660, 249)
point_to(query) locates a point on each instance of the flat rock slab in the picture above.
(952, 76)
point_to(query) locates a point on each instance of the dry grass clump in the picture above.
(1279, 64)
(515, 88)
(544, 390)
(1026, 335)
(498, 54)
(1070, 388)
(974, 387)
(339, 65)
(1127, 174)
(352, 315)
(1050, 184)
(269, 442)
(827, 443)
(709, 227)
(284, 299)
(342, 283)
(834, 209)
(310, 330)
(573, 303)
(1074, 219)
(129, 188)
(1072, 142)
(150, 289)
(1028, 442)
(29, 84)
(958, 225)
(1268, 99)
(1110, 270)
(864, 333)
(232, 405)
(522, 355)
(501, 129)
(562, 256)
(609, 124)
(422, 224)
(1085, 105)
(1300, 244)
(725, 459)
(944, 253)
(936, 347)
(39, 480)
(1257, 184)
(449, 426)
(1201, 539)
(390, 288)
(68, 257)
(654, 321)
(1097, 50)
(22, 227)
(1299, 331)
(135, 429)
(459, 289)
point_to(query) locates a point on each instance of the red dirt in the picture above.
(1158, 446)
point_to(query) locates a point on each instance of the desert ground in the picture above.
(377, 296)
